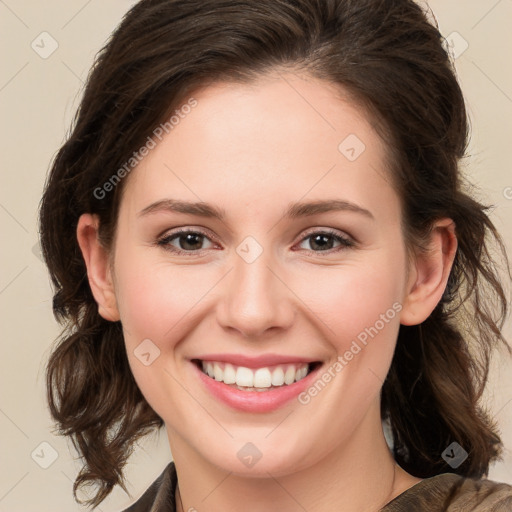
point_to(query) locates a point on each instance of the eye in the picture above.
(324, 241)
(186, 241)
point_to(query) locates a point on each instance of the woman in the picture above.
(260, 239)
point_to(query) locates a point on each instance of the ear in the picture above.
(97, 261)
(429, 274)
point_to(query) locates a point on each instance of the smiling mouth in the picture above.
(256, 379)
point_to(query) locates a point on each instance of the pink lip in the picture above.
(254, 362)
(255, 401)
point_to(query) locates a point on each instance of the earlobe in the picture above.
(99, 273)
(429, 277)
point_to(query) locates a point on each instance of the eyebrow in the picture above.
(294, 210)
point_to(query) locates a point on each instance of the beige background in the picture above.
(38, 97)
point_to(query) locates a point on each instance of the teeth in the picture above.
(289, 376)
(278, 377)
(262, 378)
(229, 374)
(244, 377)
(217, 372)
(255, 380)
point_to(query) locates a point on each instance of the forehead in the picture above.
(276, 139)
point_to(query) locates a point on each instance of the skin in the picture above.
(252, 150)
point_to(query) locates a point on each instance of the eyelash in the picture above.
(164, 242)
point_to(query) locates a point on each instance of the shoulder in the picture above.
(453, 493)
(159, 496)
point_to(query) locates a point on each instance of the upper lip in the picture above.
(255, 361)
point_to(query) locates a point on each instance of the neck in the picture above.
(358, 475)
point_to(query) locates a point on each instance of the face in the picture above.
(294, 259)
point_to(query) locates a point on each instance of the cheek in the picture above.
(155, 298)
(157, 302)
(358, 307)
(349, 300)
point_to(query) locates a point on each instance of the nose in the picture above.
(255, 300)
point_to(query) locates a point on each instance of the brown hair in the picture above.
(389, 56)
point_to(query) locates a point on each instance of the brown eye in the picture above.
(186, 241)
(324, 241)
(190, 241)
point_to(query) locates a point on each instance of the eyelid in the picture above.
(188, 229)
(345, 239)
(327, 231)
(173, 233)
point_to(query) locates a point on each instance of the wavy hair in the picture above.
(390, 57)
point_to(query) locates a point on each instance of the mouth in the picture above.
(262, 379)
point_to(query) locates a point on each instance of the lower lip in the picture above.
(256, 401)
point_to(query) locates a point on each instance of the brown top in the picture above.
(442, 493)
